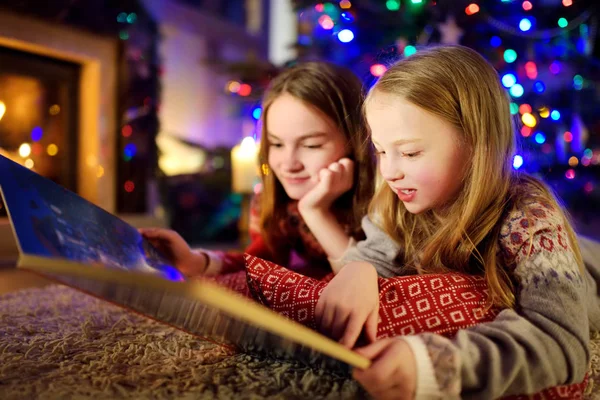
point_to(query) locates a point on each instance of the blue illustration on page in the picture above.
(51, 221)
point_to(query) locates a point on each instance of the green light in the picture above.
(514, 108)
(578, 80)
(122, 17)
(131, 18)
(329, 8)
(392, 5)
(123, 35)
(409, 51)
(563, 22)
(416, 1)
(510, 55)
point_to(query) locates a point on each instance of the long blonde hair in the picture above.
(337, 94)
(459, 86)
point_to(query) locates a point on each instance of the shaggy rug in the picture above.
(56, 343)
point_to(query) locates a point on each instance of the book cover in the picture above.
(66, 238)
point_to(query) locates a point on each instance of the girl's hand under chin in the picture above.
(333, 181)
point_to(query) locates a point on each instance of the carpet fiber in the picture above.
(56, 342)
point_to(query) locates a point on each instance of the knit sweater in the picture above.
(541, 343)
(303, 251)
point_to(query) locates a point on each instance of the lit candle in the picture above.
(2, 109)
(244, 166)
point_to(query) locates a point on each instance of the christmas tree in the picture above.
(544, 52)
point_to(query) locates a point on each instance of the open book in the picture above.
(64, 237)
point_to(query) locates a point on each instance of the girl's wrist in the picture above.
(195, 264)
(314, 212)
(204, 260)
(361, 266)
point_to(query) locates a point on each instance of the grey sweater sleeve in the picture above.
(377, 249)
(541, 344)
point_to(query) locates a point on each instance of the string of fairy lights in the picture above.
(542, 51)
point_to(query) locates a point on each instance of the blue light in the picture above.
(516, 90)
(256, 113)
(539, 87)
(517, 162)
(36, 134)
(509, 80)
(345, 35)
(172, 273)
(584, 30)
(130, 150)
(525, 25)
(347, 16)
(304, 40)
(495, 41)
(540, 138)
(555, 115)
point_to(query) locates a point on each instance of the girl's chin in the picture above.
(296, 193)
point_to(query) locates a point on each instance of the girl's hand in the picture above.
(333, 181)
(177, 251)
(393, 372)
(349, 303)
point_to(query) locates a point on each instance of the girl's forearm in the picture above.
(329, 233)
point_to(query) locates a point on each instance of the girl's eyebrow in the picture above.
(307, 136)
(405, 141)
(399, 142)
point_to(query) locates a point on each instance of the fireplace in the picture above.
(39, 113)
(76, 71)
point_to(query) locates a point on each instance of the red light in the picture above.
(567, 3)
(378, 69)
(570, 174)
(126, 131)
(129, 186)
(527, 5)
(526, 131)
(472, 9)
(36, 149)
(245, 90)
(525, 108)
(531, 70)
(568, 136)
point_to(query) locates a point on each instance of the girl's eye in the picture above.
(411, 155)
(276, 145)
(313, 146)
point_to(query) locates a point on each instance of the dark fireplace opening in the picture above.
(39, 113)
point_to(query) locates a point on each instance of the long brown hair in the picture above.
(337, 93)
(459, 86)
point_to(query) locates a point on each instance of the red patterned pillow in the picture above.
(235, 281)
(284, 291)
(442, 303)
(438, 303)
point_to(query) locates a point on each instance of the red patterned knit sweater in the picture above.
(304, 251)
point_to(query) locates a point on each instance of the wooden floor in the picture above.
(12, 279)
